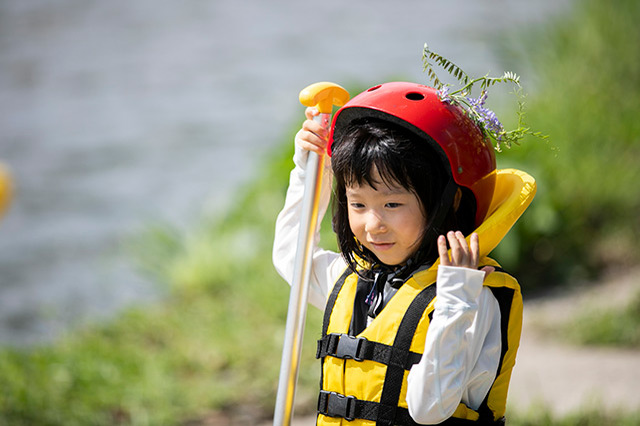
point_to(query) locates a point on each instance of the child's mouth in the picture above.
(381, 246)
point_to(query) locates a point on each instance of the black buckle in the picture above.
(333, 404)
(349, 347)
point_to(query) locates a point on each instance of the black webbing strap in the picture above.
(359, 349)
(504, 296)
(389, 410)
(333, 404)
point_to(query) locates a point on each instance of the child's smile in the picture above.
(388, 219)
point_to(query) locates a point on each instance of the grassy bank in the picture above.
(613, 326)
(214, 342)
(585, 217)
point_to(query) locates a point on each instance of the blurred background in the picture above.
(149, 143)
(119, 113)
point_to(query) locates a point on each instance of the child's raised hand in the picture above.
(462, 254)
(312, 136)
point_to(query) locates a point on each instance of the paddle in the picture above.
(322, 96)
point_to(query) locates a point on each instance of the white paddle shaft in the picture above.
(298, 297)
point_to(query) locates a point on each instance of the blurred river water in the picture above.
(115, 114)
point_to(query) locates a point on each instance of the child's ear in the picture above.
(456, 200)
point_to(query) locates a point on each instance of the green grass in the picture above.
(584, 219)
(214, 343)
(618, 327)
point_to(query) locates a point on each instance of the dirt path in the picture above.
(562, 378)
(565, 378)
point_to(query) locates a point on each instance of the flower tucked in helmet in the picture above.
(475, 108)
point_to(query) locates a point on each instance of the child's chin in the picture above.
(391, 261)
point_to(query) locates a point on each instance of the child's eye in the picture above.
(393, 205)
(356, 205)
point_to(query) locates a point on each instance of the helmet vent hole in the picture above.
(374, 88)
(414, 96)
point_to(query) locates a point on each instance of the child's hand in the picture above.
(312, 136)
(462, 254)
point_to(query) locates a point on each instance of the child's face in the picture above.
(389, 220)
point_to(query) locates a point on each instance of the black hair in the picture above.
(400, 157)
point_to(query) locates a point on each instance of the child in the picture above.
(412, 174)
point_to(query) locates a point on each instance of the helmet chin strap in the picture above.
(456, 199)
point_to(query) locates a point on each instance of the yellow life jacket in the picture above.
(364, 377)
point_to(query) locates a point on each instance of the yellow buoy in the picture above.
(6, 188)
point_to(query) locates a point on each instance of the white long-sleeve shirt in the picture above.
(462, 347)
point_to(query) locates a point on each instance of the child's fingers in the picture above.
(312, 136)
(474, 249)
(459, 248)
(315, 128)
(462, 254)
(442, 251)
(311, 112)
(310, 141)
(488, 270)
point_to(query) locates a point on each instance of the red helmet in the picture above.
(466, 153)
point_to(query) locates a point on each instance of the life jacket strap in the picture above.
(333, 404)
(359, 348)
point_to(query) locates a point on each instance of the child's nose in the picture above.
(375, 223)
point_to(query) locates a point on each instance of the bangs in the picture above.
(364, 150)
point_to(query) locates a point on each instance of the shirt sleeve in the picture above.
(327, 266)
(462, 348)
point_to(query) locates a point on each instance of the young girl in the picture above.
(413, 177)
